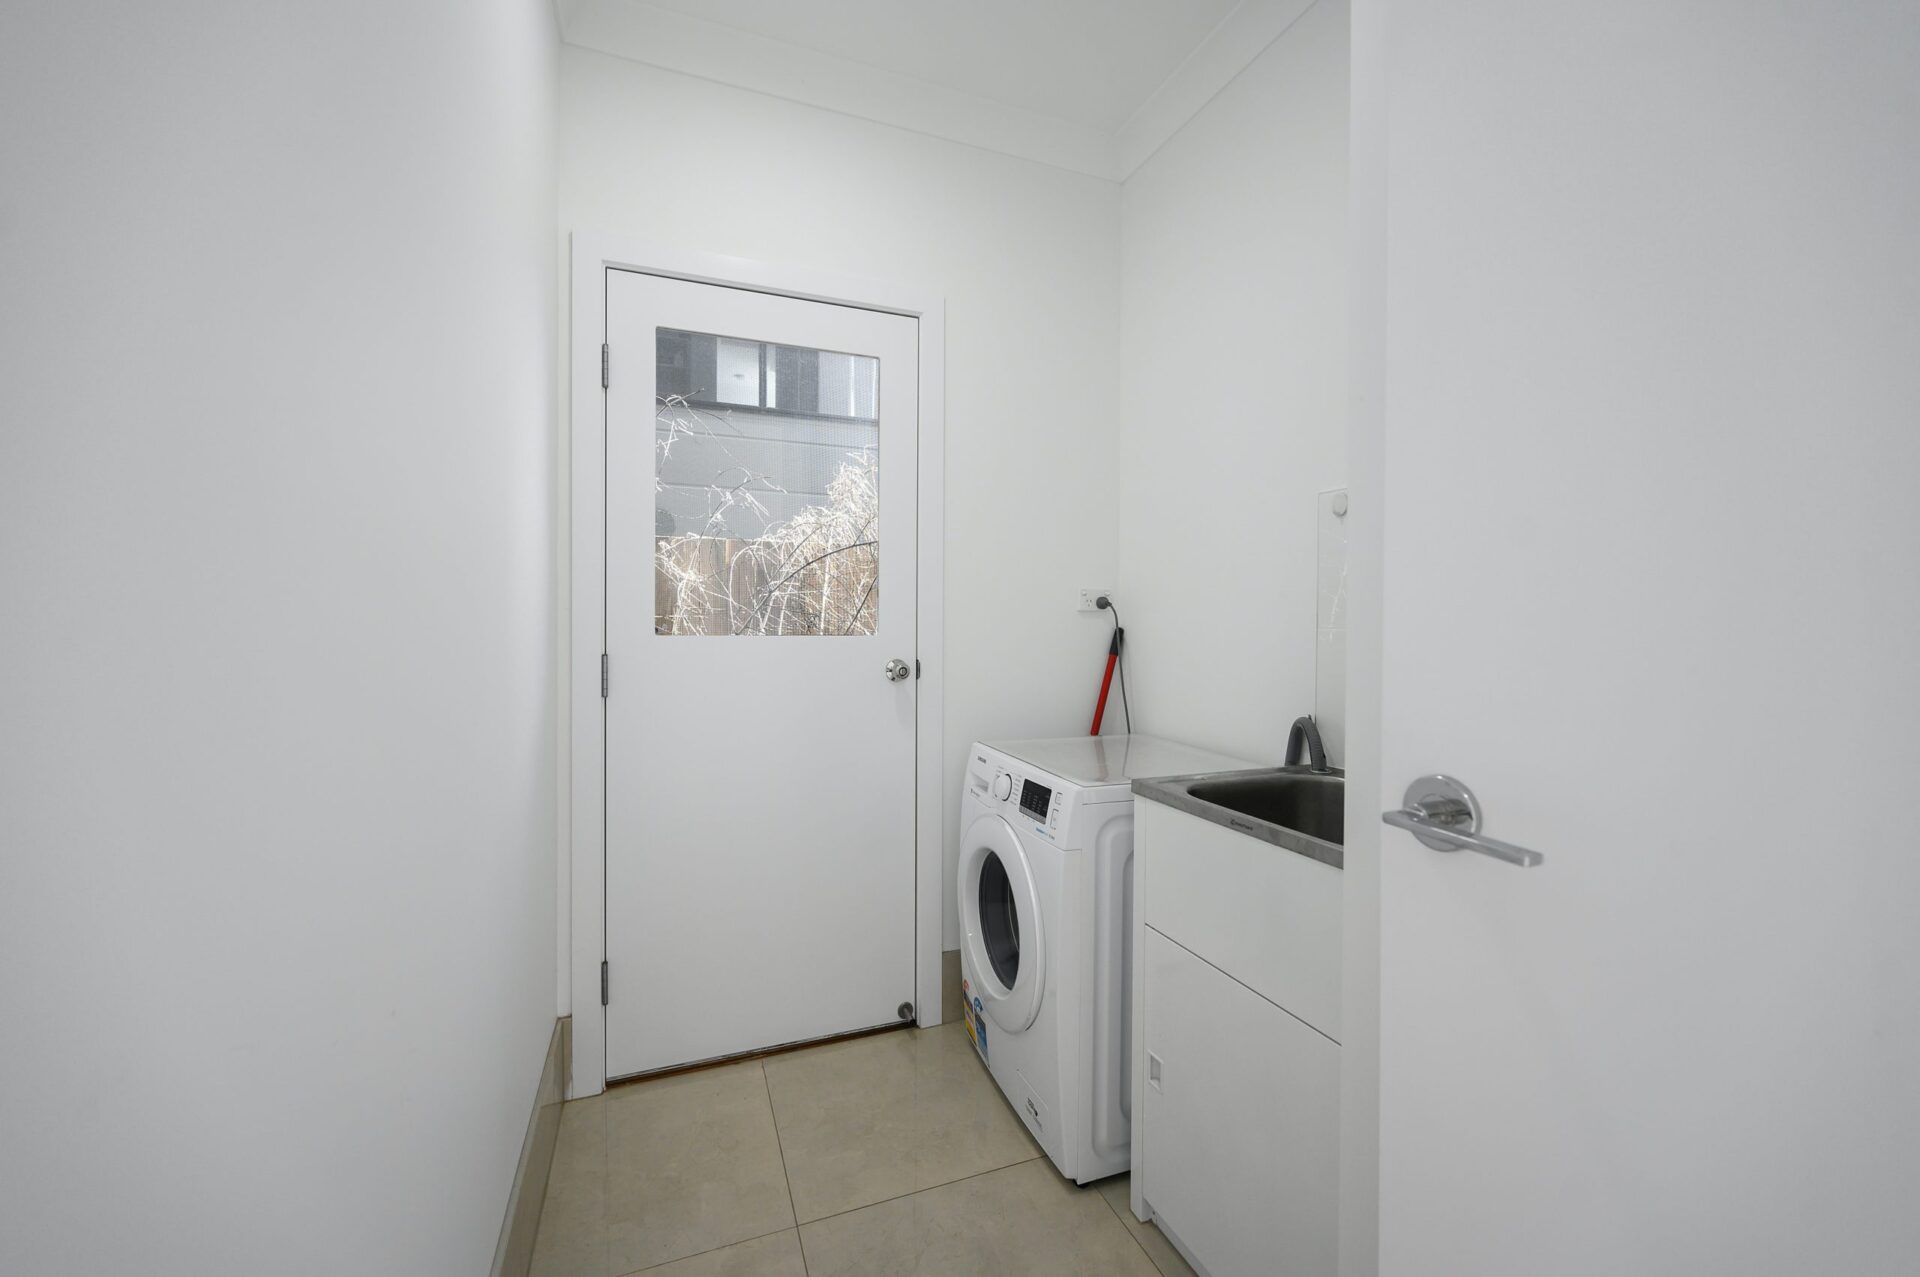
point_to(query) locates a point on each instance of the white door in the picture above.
(761, 459)
(1651, 583)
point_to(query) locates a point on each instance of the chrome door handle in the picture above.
(1444, 815)
(897, 670)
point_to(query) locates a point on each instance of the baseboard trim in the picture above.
(513, 1255)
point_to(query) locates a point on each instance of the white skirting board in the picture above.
(514, 1254)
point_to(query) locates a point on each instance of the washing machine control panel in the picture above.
(1036, 803)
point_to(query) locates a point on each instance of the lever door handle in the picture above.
(1444, 815)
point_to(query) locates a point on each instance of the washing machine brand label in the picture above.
(973, 1014)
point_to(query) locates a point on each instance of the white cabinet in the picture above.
(1267, 916)
(1236, 1066)
(1242, 1122)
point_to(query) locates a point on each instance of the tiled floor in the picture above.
(889, 1155)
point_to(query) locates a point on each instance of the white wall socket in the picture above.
(1088, 596)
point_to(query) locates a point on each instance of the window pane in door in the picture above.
(766, 472)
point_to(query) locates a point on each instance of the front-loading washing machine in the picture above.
(1046, 922)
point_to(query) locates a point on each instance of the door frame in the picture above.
(583, 844)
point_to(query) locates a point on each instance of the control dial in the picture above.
(1003, 786)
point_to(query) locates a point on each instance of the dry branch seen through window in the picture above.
(765, 524)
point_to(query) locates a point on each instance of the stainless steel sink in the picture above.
(1292, 807)
(1312, 803)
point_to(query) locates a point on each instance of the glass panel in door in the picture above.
(766, 506)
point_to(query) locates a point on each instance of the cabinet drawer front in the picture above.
(1242, 1138)
(1265, 915)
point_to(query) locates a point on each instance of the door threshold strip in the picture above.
(787, 1048)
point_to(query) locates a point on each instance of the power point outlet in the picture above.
(1087, 598)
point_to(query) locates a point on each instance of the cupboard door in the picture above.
(1242, 1122)
(1271, 917)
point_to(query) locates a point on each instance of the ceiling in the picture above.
(1090, 85)
(1089, 61)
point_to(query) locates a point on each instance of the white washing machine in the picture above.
(1046, 921)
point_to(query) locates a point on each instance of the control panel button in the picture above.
(1003, 786)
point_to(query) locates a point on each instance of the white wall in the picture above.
(276, 887)
(1234, 394)
(1026, 256)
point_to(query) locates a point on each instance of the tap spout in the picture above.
(1304, 736)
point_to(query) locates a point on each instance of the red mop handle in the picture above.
(1106, 681)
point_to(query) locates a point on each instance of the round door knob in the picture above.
(897, 670)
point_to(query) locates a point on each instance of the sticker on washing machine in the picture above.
(970, 1011)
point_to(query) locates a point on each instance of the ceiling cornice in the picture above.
(693, 46)
(1229, 49)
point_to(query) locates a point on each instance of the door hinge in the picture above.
(603, 676)
(603, 984)
(606, 365)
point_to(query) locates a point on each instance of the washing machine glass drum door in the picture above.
(1000, 922)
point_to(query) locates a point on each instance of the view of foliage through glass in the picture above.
(760, 559)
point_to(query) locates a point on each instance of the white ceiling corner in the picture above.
(565, 11)
(1227, 51)
(1092, 86)
(699, 47)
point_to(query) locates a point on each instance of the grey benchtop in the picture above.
(1172, 791)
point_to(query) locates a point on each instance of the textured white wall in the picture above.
(276, 807)
(1026, 256)
(1234, 395)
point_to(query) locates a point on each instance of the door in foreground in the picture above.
(1650, 569)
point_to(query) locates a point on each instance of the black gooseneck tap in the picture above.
(1305, 733)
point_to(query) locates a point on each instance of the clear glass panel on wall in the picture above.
(1330, 649)
(766, 478)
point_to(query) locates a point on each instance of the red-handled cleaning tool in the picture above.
(1113, 663)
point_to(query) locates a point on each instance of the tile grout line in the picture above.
(773, 1115)
(1130, 1233)
(1038, 1152)
(798, 1225)
(606, 1182)
(666, 1263)
(917, 1191)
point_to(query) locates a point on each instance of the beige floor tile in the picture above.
(1023, 1220)
(693, 1164)
(883, 1116)
(1151, 1239)
(572, 1239)
(777, 1255)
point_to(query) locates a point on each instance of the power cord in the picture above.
(1105, 604)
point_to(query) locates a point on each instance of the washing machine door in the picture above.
(1000, 923)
